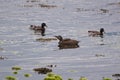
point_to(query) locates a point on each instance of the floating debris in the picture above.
(45, 39)
(104, 10)
(114, 3)
(32, 0)
(100, 55)
(47, 6)
(116, 75)
(1, 49)
(42, 70)
(83, 9)
(2, 58)
(16, 68)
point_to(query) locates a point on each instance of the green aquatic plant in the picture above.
(106, 78)
(16, 68)
(10, 78)
(70, 79)
(83, 78)
(27, 75)
(52, 76)
(15, 72)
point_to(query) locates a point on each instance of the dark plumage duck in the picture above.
(97, 33)
(67, 43)
(39, 28)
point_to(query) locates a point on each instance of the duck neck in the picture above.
(60, 38)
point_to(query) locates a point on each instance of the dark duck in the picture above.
(67, 43)
(40, 29)
(97, 33)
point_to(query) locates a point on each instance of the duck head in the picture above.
(43, 25)
(102, 31)
(59, 37)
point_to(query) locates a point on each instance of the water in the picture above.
(95, 58)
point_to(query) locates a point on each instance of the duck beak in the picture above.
(55, 36)
(104, 32)
(46, 26)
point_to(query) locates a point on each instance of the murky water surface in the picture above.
(95, 58)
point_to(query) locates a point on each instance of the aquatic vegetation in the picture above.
(70, 79)
(15, 72)
(83, 78)
(16, 68)
(42, 70)
(106, 78)
(52, 76)
(27, 75)
(10, 78)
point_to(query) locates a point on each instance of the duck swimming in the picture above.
(97, 33)
(39, 28)
(67, 43)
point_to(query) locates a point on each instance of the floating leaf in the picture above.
(15, 72)
(16, 68)
(83, 78)
(27, 75)
(10, 78)
(106, 78)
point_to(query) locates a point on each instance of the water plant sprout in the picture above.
(52, 76)
(10, 78)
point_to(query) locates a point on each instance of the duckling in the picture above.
(39, 28)
(67, 43)
(96, 33)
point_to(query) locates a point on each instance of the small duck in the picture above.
(67, 43)
(39, 28)
(96, 33)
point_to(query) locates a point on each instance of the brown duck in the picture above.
(67, 43)
(96, 33)
(39, 28)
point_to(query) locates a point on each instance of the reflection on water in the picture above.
(95, 58)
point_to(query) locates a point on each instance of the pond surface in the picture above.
(95, 58)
